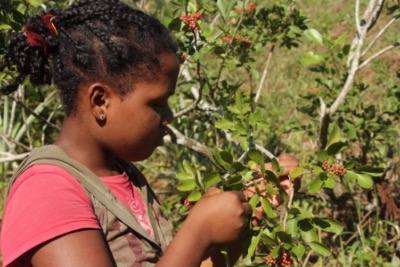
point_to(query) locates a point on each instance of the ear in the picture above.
(100, 98)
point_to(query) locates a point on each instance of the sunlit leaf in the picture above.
(185, 176)
(320, 249)
(186, 185)
(268, 209)
(252, 248)
(194, 196)
(297, 172)
(211, 179)
(371, 170)
(313, 35)
(298, 251)
(334, 136)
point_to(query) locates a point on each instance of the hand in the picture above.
(288, 163)
(221, 216)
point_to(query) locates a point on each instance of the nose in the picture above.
(168, 117)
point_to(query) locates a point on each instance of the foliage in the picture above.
(234, 111)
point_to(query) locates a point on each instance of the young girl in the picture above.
(114, 68)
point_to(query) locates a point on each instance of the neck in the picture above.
(81, 144)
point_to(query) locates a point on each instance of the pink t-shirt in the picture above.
(46, 201)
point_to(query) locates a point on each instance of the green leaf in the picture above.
(194, 196)
(292, 226)
(275, 165)
(307, 230)
(5, 27)
(222, 7)
(268, 208)
(175, 25)
(310, 58)
(335, 148)
(275, 252)
(186, 185)
(188, 167)
(185, 176)
(224, 125)
(328, 224)
(297, 172)
(239, 101)
(220, 157)
(254, 200)
(315, 185)
(211, 179)
(320, 249)
(285, 238)
(322, 156)
(330, 182)
(314, 35)
(365, 181)
(351, 176)
(252, 248)
(256, 156)
(298, 251)
(35, 3)
(266, 238)
(226, 156)
(371, 170)
(334, 136)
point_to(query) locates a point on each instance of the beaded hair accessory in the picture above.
(35, 39)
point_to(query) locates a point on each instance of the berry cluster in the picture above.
(336, 168)
(250, 8)
(191, 20)
(239, 39)
(285, 260)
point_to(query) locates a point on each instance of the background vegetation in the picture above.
(260, 78)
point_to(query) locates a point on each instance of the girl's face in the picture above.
(136, 122)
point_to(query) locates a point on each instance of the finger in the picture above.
(212, 191)
(247, 209)
(242, 197)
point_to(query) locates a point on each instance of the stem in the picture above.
(377, 54)
(264, 75)
(379, 34)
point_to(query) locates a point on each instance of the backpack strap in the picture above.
(54, 155)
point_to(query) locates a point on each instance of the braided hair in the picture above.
(92, 40)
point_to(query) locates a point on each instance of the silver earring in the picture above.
(102, 117)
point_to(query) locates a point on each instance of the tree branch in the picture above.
(379, 34)
(176, 137)
(378, 54)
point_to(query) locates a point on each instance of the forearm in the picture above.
(187, 248)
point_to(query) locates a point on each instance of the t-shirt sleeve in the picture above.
(44, 202)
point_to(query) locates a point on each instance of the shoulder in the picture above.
(44, 202)
(45, 176)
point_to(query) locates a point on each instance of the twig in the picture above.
(14, 157)
(264, 75)
(289, 205)
(379, 34)
(197, 99)
(378, 54)
(307, 258)
(265, 151)
(177, 137)
(33, 113)
(357, 18)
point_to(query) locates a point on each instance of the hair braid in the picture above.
(97, 40)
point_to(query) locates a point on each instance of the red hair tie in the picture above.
(35, 39)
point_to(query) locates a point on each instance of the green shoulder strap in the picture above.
(52, 154)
